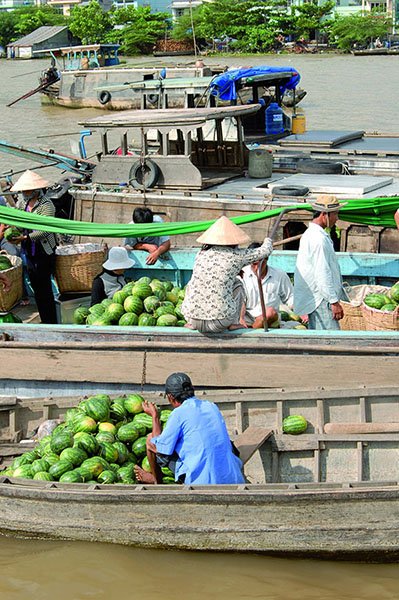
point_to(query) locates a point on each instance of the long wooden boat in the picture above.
(72, 358)
(332, 492)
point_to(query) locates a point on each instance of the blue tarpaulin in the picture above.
(223, 86)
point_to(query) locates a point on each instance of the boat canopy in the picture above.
(225, 86)
(98, 55)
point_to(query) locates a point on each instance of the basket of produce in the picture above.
(77, 265)
(11, 266)
(381, 311)
(353, 319)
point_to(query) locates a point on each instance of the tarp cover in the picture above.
(223, 86)
(371, 211)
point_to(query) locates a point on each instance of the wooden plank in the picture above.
(286, 443)
(361, 428)
(248, 442)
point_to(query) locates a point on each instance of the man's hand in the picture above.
(337, 311)
(304, 318)
(150, 408)
(152, 257)
(18, 240)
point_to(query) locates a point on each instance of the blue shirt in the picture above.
(197, 432)
(149, 239)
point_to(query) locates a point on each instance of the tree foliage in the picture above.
(310, 17)
(24, 20)
(139, 29)
(360, 29)
(90, 23)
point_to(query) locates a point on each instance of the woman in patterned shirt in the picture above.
(38, 247)
(215, 293)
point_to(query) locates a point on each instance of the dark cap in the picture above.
(178, 384)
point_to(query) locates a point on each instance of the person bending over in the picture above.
(154, 245)
(194, 444)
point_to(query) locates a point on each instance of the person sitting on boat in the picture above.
(194, 444)
(317, 279)
(215, 295)
(277, 289)
(154, 245)
(111, 279)
(38, 247)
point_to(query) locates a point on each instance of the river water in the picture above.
(344, 92)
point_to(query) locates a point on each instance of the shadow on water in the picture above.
(47, 570)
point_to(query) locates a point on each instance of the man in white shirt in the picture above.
(317, 279)
(277, 289)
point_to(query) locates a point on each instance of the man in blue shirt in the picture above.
(154, 245)
(194, 443)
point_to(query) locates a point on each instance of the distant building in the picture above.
(42, 38)
(8, 5)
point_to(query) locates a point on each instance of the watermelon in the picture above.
(97, 407)
(5, 263)
(139, 447)
(61, 440)
(106, 302)
(108, 427)
(107, 477)
(160, 292)
(146, 320)
(145, 279)
(74, 455)
(129, 319)
(133, 304)
(151, 303)
(376, 300)
(59, 468)
(120, 296)
(12, 232)
(178, 311)
(168, 480)
(91, 468)
(80, 315)
(91, 319)
(114, 467)
(142, 290)
(42, 476)
(24, 471)
(145, 464)
(39, 465)
(108, 451)
(167, 321)
(118, 410)
(172, 297)
(123, 452)
(127, 433)
(105, 436)
(167, 472)
(86, 442)
(294, 424)
(70, 416)
(394, 292)
(114, 312)
(10, 318)
(143, 419)
(102, 321)
(20, 461)
(97, 309)
(168, 285)
(134, 404)
(128, 287)
(164, 416)
(72, 477)
(52, 458)
(167, 309)
(181, 323)
(126, 474)
(389, 307)
(84, 424)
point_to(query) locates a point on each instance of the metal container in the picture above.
(260, 163)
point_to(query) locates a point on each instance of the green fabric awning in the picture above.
(365, 211)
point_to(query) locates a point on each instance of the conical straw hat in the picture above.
(29, 181)
(224, 233)
(327, 203)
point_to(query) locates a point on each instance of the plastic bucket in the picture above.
(260, 163)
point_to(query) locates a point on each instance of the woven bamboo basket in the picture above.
(77, 265)
(14, 275)
(380, 320)
(353, 315)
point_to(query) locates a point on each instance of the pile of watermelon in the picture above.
(100, 441)
(386, 302)
(146, 302)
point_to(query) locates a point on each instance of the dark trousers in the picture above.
(40, 268)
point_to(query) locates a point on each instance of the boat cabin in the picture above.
(90, 56)
(172, 148)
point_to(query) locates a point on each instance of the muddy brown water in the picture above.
(344, 92)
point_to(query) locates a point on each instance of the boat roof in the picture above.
(85, 48)
(170, 116)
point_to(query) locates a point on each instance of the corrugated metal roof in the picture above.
(39, 35)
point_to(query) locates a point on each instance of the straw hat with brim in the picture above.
(224, 233)
(118, 259)
(29, 181)
(327, 203)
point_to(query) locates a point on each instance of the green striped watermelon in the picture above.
(72, 477)
(133, 304)
(120, 296)
(74, 455)
(139, 447)
(134, 404)
(86, 442)
(107, 477)
(59, 468)
(114, 312)
(142, 290)
(127, 433)
(146, 320)
(60, 441)
(42, 476)
(97, 407)
(294, 424)
(129, 319)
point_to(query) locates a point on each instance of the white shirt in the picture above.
(317, 274)
(277, 289)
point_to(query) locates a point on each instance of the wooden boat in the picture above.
(67, 359)
(331, 492)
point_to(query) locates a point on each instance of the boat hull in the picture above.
(334, 522)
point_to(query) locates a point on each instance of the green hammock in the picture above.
(371, 211)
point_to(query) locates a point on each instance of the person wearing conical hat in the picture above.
(38, 247)
(215, 294)
(317, 279)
